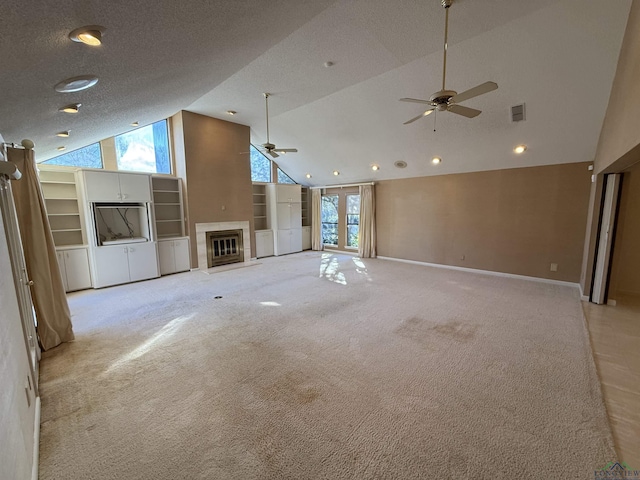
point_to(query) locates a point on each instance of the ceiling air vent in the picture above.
(517, 113)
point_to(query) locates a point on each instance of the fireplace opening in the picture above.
(223, 247)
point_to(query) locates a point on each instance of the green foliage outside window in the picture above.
(330, 220)
(260, 166)
(85, 157)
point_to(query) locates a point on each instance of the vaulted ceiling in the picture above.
(162, 56)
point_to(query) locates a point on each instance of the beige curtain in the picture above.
(316, 219)
(367, 241)
(49, 298)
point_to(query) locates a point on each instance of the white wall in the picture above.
(16, 417)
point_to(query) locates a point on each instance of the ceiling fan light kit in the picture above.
(448, 100)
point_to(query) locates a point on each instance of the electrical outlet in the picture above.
(554, 267)
(461, 257)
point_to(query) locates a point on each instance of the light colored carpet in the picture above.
(322, 366)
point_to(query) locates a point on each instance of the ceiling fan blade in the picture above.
(286, 150)
(428, 112)
(273, 154)
(474, 92)
(464, 111)
(416, 100)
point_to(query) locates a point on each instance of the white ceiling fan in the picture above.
(448, 100)
(269, 147)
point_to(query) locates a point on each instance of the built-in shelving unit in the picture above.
(167, 202)
(305, 201)
(63, 209)
(259, 206)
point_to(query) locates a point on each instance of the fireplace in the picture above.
(223, 247)
(203, 243)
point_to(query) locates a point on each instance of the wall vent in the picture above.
(517, 113)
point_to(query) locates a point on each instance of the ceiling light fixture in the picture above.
(375, 167)
(64, 134)
(76, 84)
(336, 173)
(73, 108)
(231, 112)
(328, 64)
(400, 164)
(436, 160)
(61, 148)
(520, 149)
(308, 175)
(89, 35)
(135, 124)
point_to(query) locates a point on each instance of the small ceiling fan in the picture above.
(269, 147)
(448, 100)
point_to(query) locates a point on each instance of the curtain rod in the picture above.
(345, 185)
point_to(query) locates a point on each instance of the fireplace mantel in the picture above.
(201, 239)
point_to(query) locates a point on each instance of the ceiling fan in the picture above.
(269, 147)
(448, 100)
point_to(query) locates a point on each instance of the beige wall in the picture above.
(619, 142)
(515, 221)
(217, 176)
(625, 267)
(620, 134)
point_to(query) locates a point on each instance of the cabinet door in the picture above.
(181, 252)
(295, 215)
(111, 266)
(63, 273)
(135, 187)
(143, 261)
(102, 186)
(306, 238)
(166, 255)
(264, 244)
(288, 193)
(283, 242)
(76, 264)
(283, 211)
(296, 240)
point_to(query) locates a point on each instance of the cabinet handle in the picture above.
(132, 249)
(124, 195)
(118, 195)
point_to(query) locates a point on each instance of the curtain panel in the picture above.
(316, 219)
(49, 298)
(367, 241)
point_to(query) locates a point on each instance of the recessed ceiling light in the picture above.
(329, 64)
(135, 124)
(73, 108)
(231, 112)
(336, 172)
(375, 167)
(400, 164)
(64, 134)
(520, 149)
(308, 175)
(89, 35)
(76, 84)
(61, 148)
(436, 160)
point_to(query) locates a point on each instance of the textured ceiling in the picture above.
(211, 56)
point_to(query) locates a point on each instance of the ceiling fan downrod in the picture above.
(446, 4)
(266, 102)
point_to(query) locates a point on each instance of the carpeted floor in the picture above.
(322, 366)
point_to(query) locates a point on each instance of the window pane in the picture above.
(86, 157)
(284, 178)
(330, 219)
(145, 149)
(353, 220)
(260, 166)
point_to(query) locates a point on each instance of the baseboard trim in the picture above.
(484, 272)
(36, 442)
(583, 297)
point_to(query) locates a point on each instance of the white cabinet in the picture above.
(264, 243)
(124, 263)
(289, 241)
(74, 267)
(285, 217)
(306, 238)
(116, 187)
(174, 255)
